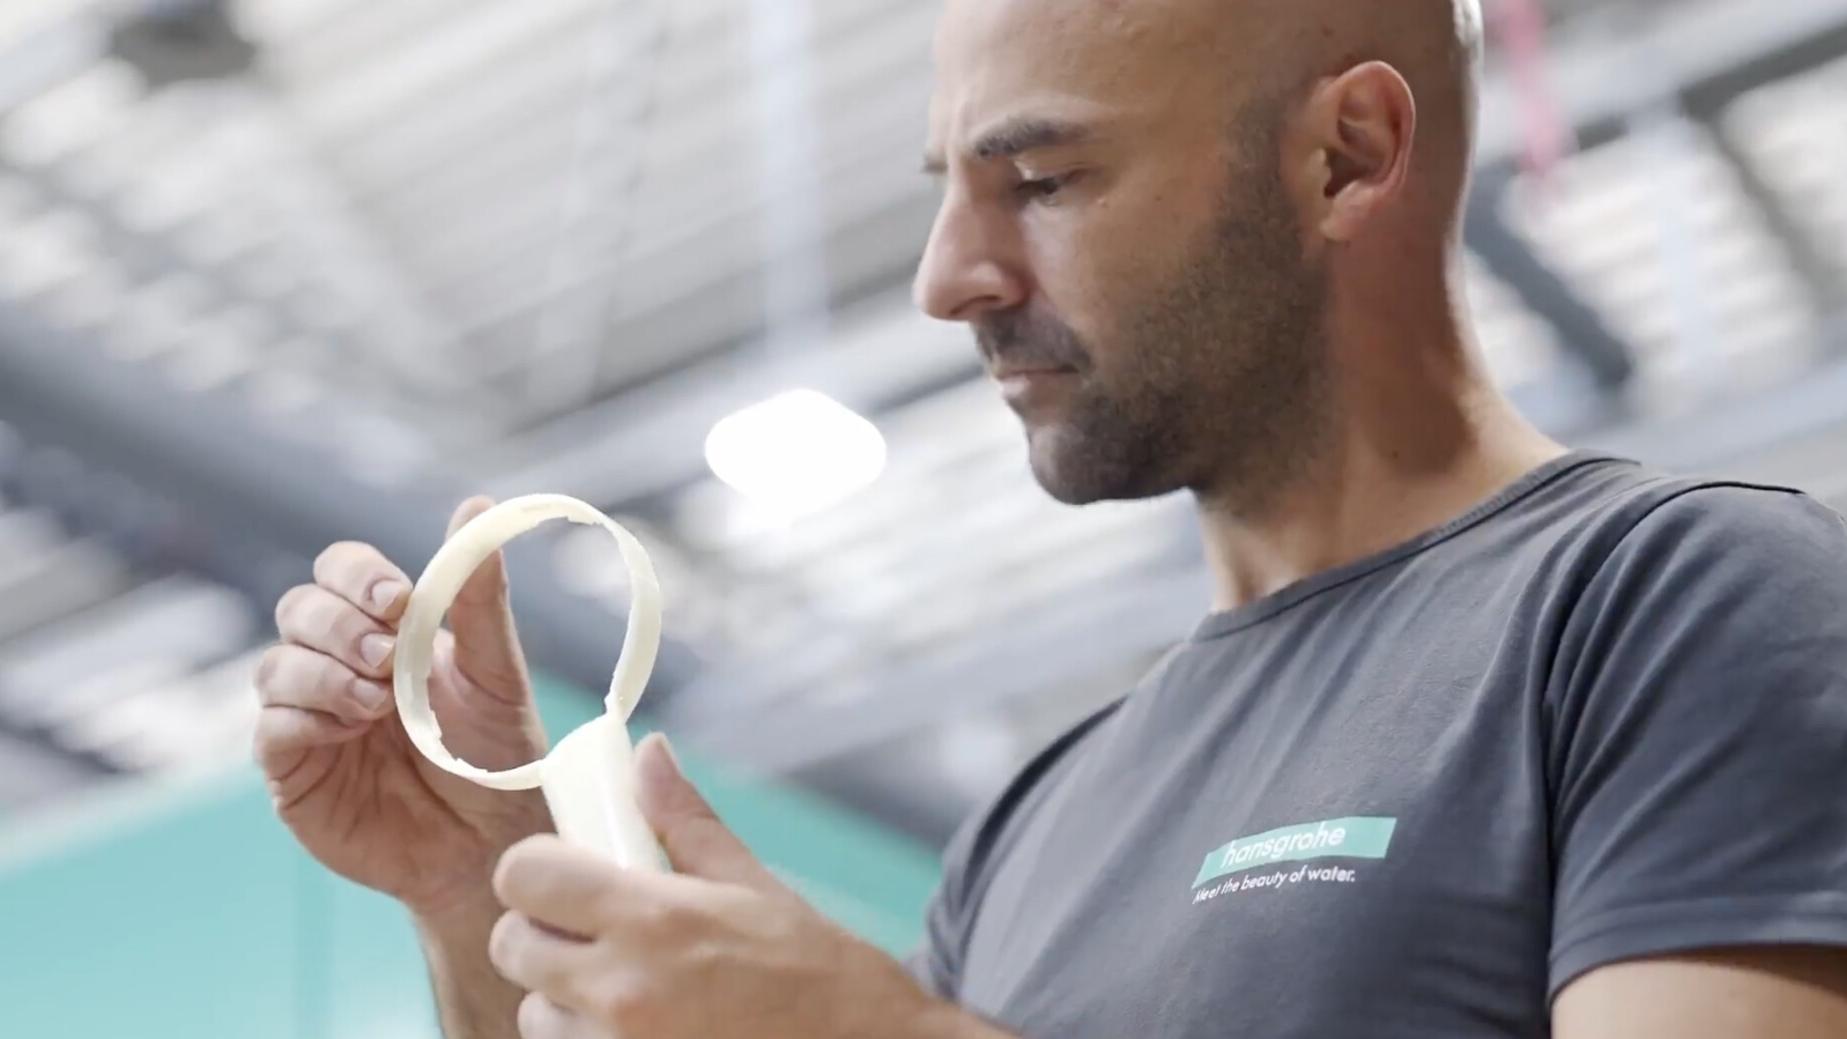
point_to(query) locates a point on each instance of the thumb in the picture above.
(696, 841)
(487, 648)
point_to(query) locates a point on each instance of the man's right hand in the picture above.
(342, 771)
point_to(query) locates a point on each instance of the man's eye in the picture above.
(1042, 189)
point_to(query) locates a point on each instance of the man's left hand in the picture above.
(719, 949)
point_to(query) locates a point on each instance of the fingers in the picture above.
(486, 645)
(362, 575)
(696, 841)
(537, 959)
(313, 616)
(560, 885)
(323, 685)
(295, 676)
(540, 1018)
(284, 734)
(487, 586)
(577, 891)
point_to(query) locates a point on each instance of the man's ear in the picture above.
(1359, 130)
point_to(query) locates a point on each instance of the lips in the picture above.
(1033, 389)
(1005, 372)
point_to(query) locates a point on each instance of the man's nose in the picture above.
(969, 268)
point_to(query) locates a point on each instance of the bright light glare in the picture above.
(796, 454)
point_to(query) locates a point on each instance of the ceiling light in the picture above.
(796, 454)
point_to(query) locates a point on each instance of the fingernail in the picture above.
(673, 758)
(370, 695)
(386, 592)
(374, 649)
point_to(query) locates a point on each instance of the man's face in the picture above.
(1115, 230)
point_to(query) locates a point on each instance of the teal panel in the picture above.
(186, 912)
(177, 914)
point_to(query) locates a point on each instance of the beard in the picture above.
(1215, 382)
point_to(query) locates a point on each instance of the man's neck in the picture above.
(1368, 490)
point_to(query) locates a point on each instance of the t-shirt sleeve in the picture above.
(1699, 720)
(937, 962)
(952, 911)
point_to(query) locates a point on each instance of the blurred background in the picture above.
(275, 273)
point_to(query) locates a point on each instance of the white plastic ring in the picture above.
(585, 777)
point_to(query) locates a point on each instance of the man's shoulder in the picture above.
(1616, 515)
(1742, 563)
(1653, 519)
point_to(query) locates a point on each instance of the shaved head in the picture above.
(1154, 209)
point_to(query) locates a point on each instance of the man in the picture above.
(1483, 738)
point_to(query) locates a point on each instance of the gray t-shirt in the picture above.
(1601, 716)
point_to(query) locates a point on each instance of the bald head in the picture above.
(1212, 59)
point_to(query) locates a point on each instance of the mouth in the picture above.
(1007, 371)
(1026, 385)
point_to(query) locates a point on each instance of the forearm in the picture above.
(472, 1000)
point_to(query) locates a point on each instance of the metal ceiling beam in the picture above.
(259, 507)
(721, 323)
(49, 56)
(1823, 280)
(77, 42)
(147, 256)
(691, 27)
(1701, 50)
(650, 441)
(33, 769)
(1142, 613)
(1582, 331)
(1715, 437)
(680, 239)
(709, 214)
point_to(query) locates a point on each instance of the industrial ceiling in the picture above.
(282, 272)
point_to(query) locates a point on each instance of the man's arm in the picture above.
(472, 1000)
(1699, 829)
(1790, 992)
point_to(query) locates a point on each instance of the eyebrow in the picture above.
(1013, 138)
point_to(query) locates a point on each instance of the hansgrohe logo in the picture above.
(1355, 838)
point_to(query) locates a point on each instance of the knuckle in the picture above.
(337, 621)
(330, 559)
(536, 1018)
(358, 692)
(625, 1002)
(503, 942)
(508, 875)
(289, 604)
(292, 674)
(511, 874)
(270, 741)
(343, 563)
(267, 667)
(260, 740)
(324, 611)
(660, 917)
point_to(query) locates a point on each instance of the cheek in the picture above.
(1107, 253)
(1087, 273)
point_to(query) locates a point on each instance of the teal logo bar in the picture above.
(1357, 838)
